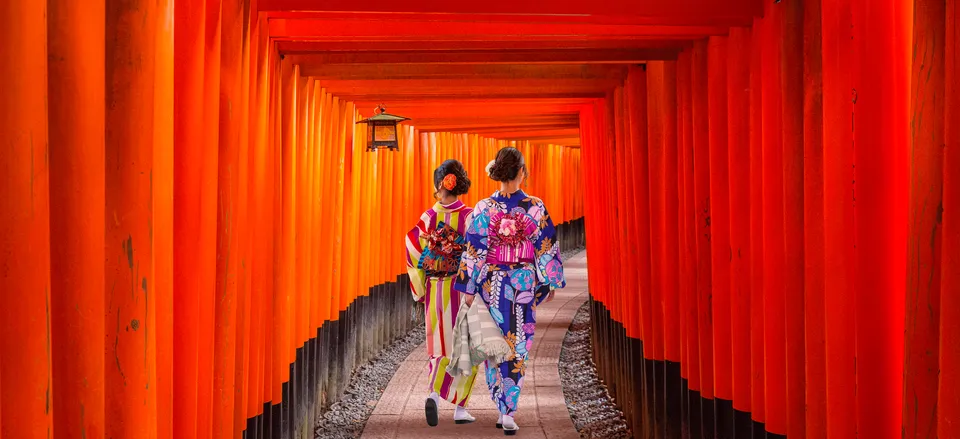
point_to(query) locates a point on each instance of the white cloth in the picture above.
(476, 338)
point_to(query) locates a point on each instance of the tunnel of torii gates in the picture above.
(194, 242)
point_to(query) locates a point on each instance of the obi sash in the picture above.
(510, 240)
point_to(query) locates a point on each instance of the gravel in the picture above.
(346, 418)
(594, 412)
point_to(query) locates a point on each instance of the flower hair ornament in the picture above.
(490, 167)
(449, 182)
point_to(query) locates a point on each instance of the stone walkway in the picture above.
(543, 411)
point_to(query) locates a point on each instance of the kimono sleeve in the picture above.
(469, 278)
(415, 242)
(549, 266)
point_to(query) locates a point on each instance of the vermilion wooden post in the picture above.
(130, 335)
(163, 222)
(719, 222)
(208, 217)
(622, 173)
(757, 404)
(25, 335)
(704, 230)
(921, 372)
(813, 202)
(773, 232)
(338, 226)
(316, 291)
(260, 211)
(273, 349)
(948, 401)
(839, 251)
(188, 149)
(682, 90)
(297, 310)
(257, 108)
(738, 144)
(228, 215)
(283, 295)
(881, 192)
(616, 354)
(689, 222)
(671, 253)
(655, 111)
(792, 89)
(327, 202)
(247, 136)
(813, 224)
(687, 237)
(76, 163)
(351, 206)
(303, 214)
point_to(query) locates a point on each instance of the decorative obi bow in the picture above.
(444, 247)
(511, 238)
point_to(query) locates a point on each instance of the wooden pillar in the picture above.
(757, 404)
(671, 253)
(839, 251)
(188, 160)
(948, 402)
(208, 217)
(813, 224)
(738, 135)
(654, 167)
(76, 161)
(130, 334)
(773, 231)
(881, 192)
(163, 221)
(228, 219)
(682, 86)
(25, 334)
(719, 219)
(670, 257)
(690, 235)
(703, 228)
(287, 282)
(337, 233)
(921, 373)
(792, 88)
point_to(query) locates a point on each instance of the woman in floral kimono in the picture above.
(434, 248)
(513, 260)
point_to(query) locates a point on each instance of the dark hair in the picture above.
(507, 165)
(456, 168)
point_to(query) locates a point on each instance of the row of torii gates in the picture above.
(195, 243)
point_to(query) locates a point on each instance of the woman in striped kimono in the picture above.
(513, 260)
(434, 248)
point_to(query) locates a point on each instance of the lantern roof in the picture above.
(383, 116)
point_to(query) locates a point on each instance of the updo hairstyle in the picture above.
(456, 169)
(507, 165)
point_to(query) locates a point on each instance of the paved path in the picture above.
(543, 411)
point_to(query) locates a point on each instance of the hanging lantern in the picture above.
(382, 130)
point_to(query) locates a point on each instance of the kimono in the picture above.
(512, 260)
(434, 248)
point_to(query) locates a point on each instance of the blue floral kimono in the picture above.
(513, 260)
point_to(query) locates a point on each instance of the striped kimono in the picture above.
(434, 248)
(512, 259)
